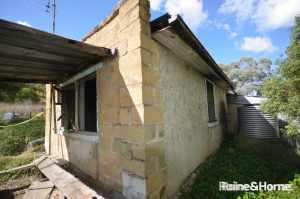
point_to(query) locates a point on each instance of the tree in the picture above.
(19, 92)
(248, 74)
(283, 88)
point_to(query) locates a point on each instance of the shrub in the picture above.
(243, 161)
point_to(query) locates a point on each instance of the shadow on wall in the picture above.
(120, 144)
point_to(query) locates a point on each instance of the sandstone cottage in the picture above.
(143, 119)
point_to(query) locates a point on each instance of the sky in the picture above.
(229, 29)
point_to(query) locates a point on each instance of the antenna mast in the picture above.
(54, 16)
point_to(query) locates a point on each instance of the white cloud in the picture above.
(266, 14)
(156, 4)
(226, 27)
(192, 11)
(24, 23)
(233, 34)
(220, 26)
(257, 44)
(273, 14)
(243, 9)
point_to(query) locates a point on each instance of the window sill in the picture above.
(213, 124)
(85, 136)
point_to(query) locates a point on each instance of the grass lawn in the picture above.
(13, 140)
(8, 162)
(13, 143)
(243, 161)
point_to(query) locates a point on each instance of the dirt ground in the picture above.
(15, 189)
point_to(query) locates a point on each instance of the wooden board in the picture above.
(69, 185)
(39, 190)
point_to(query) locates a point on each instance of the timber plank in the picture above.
(35, 64)
(38, 44)
(69, 185)
(26, 70)
(27, 32)
(25, 52)
(39, 190)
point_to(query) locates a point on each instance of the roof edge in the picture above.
(177, 24)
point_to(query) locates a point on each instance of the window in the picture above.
(68, 107)
(79, 105)
(88, 105)
(211, 102)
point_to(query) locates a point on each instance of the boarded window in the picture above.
(211, 102)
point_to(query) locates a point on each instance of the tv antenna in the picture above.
(51, 8)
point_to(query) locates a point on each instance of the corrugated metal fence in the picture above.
(251, 120)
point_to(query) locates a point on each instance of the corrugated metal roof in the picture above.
(31, 55)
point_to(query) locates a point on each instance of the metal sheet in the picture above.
(254, 123)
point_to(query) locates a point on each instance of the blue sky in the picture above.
(229, 29)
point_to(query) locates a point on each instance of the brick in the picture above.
(139, 152)
(130, 68)
(160, 132)
(150, 77)
(132, 133)
(126, 150)
(106, 143)
(109, 115)
(148, 95)
(153, 115)
(155, 151)
(150, 132)
(147, 57)
(131, 95)
(131, 4)
(122, 47)
(136, 167)
(137, 115)
(115, 99)
(125, 116)
(156, 183)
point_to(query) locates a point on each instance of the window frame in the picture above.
(216, 121)
(81, 103)
(80, 107)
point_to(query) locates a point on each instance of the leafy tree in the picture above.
(283, 88)
(18, 92)
(248, 74)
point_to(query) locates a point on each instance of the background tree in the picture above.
(248, 74)
(283, 88)
(20, 92)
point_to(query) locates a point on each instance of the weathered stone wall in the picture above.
(128, 154)
(152, 113)
(189, 140)
(131, 123)
(81, 150)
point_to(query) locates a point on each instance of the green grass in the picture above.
(13, 140)
(8, 162)
(243, 161)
